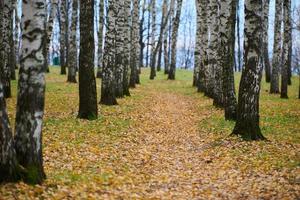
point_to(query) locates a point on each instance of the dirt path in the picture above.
(171, 157)
(166, 156)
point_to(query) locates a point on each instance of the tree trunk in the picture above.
(100, 38)
(266, 60)
(63, 29)
(239, 67)
(287, 44)
(153, 34)
(31, 92)
(247, 124)
(73, 53)
(120, 25)
(127, 33)
(277, 51)
(88, 108)
(212, 50)
(148, 33)
(215, 59)
(141, 32)
(12, 57)
(134, 58)
(227, 46)
(9, 167)
(49, 30)
(6, 68)
(67, 33)
(166, 53)
(8, 160)
(162, 33)
(108, 88)
(203, 14)
(175, 26)
(197, 53)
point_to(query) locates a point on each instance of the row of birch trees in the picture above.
(215, 58)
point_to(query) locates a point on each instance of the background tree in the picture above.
(165, 39)
(214, 57)
(12, 55)
(247, 124)
(203, 68)
(119, 48)
(277, 50)
(198, 44)
(176, 21)
(153, 40)
(62, 17)
(73, 53)
(108, 89)
(127, 33)
(227, 46)
(148, 32)
(287, 45)
(163, 26)
(6, 68)
(49, 23)
(8, 160)
(266, 60)
(134, 56)
(142, 31)
(100, 38)
(87, 84)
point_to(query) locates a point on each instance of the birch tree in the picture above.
(158, 47)
(141, 32)
(176, 21)
(12, 54)
(277, 51)
(62, 17)
(49, 23)
(100, 38)
(227, 46)
(88, 108)
(287, 45)
(162, 33)
(134, 57)
(166, 42)
(203, 34)
(8, 160)
(73, 54)
(108, 89)
(198, 44)
(119, 47)
(266, 60)
(31, 92)
(247, 124)
(148, 31)
(126, 52)
(6, 68)
(153, 36)
(215, 80)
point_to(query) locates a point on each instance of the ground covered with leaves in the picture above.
(166, 141)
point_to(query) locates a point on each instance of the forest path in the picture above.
(165, 157)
